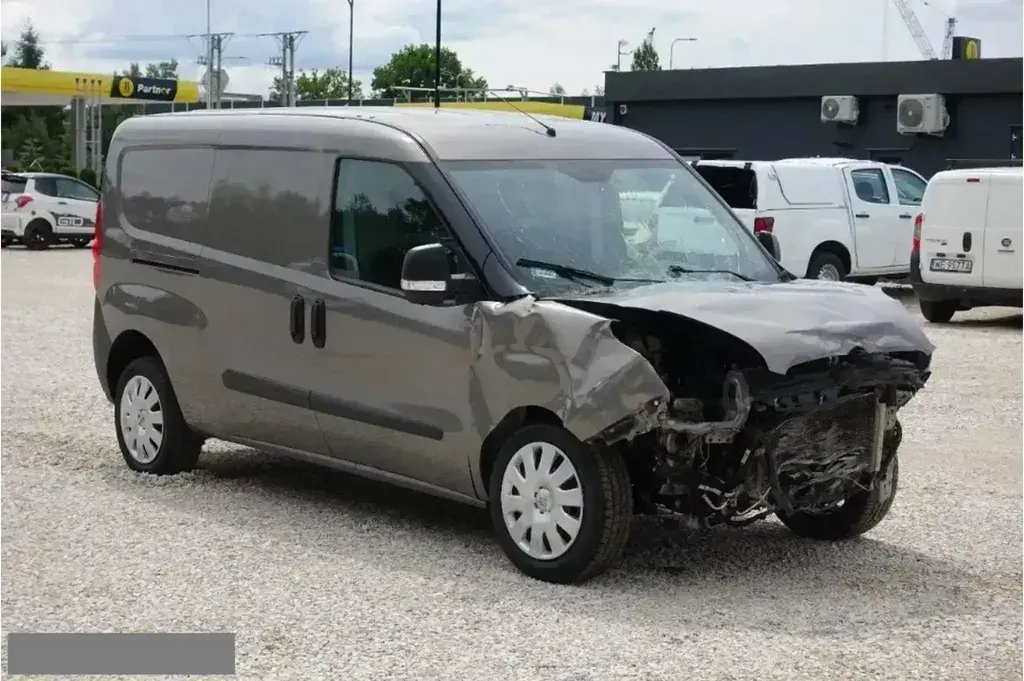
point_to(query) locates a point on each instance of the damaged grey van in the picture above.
(447, 300)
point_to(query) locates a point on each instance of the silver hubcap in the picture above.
(542, 501)
(829, 273)
(142, 419)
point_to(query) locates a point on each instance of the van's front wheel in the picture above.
(561, 510)
(938, 311)
(858, 514)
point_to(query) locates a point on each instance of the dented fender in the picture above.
(542, 353)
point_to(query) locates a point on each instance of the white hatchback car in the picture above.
(43, 209)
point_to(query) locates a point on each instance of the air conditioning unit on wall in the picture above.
(921, 115)
(839, 109)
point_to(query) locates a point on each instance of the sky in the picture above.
(526, 43)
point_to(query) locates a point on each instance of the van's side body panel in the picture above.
(205, 258)
(1004, 229)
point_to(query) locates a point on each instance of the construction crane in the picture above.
(920, 37)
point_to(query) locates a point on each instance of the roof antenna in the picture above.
(547, 128)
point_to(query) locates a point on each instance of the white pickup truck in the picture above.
(834, 218)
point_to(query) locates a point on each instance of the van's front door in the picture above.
(392, 381)
(875, 216)
(909, 189)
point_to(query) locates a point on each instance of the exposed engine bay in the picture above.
(736, 442)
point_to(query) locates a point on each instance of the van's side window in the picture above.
(909, 187)
(869, 184)
(165, 190)
(379, 214)
(265, 204)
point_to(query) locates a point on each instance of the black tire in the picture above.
(938, 311)
(823, 260)
(179, 447)
(81, 242)
(607, 507)
(858, 515)
(38, 235)
(4, 243)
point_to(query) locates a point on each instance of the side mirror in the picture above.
(771, 244)
(426, 275)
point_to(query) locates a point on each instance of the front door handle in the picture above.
(62, 203)
(861, 215)
(905, 216)
(318, 323)
(297, 319)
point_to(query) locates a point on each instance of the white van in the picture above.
(834, 218)
(966, 250)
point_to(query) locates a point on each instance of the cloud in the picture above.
(531, 43)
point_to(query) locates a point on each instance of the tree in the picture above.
(315, 84)
(37, 134)
(557, 89)
(645, 57)
(599, 91)
(413, 66)
(163, 69)
(28, 53)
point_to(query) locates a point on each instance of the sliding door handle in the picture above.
(318, 323)
(905, 216)
(862, 215)
(297, 319)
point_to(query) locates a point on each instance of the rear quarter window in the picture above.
(165, 190)
(737, 186)
(12, 186)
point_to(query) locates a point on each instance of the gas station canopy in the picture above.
(39, 87)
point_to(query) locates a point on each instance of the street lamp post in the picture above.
(672, 48)
(437, 60)
(209, 59)
(618, 59)
(351, 24)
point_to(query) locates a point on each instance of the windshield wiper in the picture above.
(567, 272)
(679, 269)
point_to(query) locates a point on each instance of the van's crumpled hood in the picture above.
(788, 323)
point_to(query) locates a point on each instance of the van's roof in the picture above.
(451, 134)
(812, 161)
(974, 172)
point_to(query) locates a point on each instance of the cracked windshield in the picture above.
(594, 224)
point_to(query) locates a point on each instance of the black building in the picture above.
(773, 112)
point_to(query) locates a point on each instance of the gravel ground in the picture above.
(324, 576)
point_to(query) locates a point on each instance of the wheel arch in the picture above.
(129, 346)
(510, 423)
(834, 247)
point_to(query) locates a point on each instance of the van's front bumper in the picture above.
(966, 296)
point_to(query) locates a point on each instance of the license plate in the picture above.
(951, 265)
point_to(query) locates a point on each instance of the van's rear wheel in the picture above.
(561, 510)
(151, 431)
(826, 265)
(938, 311)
